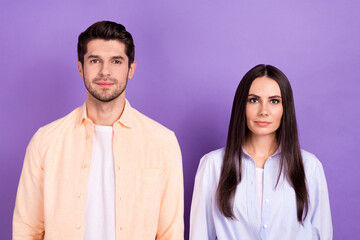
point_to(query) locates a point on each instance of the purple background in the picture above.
(190, 57)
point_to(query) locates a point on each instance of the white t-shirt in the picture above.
(100, 202)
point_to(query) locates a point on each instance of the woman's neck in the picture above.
(260, 148)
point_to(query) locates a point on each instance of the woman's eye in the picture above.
(253, 100)
(275, 101)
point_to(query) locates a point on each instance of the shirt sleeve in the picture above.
(171, 218)
(28, 218)
(320, 205)
(201, 215)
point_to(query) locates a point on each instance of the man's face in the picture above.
(106, 69)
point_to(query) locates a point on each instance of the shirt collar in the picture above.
(278, 151)
(125, 118)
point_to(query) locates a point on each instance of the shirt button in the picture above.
(78, 227)
(267, 200)
(80, 195)
(83, 166)
(265, 226)
(120, 228)
(118, 168)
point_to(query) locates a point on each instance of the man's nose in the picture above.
(105, 69)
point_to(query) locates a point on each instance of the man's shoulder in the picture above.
(60, 124)
(150, 126)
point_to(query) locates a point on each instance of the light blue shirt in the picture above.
(279, 213)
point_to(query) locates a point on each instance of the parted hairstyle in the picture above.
(291, 164)
(106, 30)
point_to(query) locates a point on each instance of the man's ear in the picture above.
(80, 68)
(132, 70)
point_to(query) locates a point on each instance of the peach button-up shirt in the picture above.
(51, 197)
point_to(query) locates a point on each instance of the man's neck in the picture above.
(105, 113)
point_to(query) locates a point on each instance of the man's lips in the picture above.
(104, 84)
(262, 123)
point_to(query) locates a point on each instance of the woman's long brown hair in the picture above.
(291, 164)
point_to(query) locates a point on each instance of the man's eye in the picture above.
(275, 101)
(117, 62)
(253, 100)
(94, 61)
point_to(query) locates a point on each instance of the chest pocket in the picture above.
(148, 188)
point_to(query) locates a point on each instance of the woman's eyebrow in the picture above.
(256, 96)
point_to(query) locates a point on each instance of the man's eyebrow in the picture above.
(118, 57)
(114, 57)
(93, 56)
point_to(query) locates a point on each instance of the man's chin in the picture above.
(105, 99)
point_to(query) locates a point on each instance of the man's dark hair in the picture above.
(106, 30)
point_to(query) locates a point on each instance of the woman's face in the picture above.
(264, 107)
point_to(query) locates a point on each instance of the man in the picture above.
(105, 171)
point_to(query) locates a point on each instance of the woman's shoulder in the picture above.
(212, 160)
(216, 154)
(214, 157)
(308, 157)
(311, 162)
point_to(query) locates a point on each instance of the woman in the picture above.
(261, 186)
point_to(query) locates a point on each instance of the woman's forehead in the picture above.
(265, 87)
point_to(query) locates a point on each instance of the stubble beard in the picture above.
(101, 95)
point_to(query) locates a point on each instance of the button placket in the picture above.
(250, 181)
(84, 168)
(267, 193)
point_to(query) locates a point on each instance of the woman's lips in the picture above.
(262, 123)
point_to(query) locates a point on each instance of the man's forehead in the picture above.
(100, 47)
